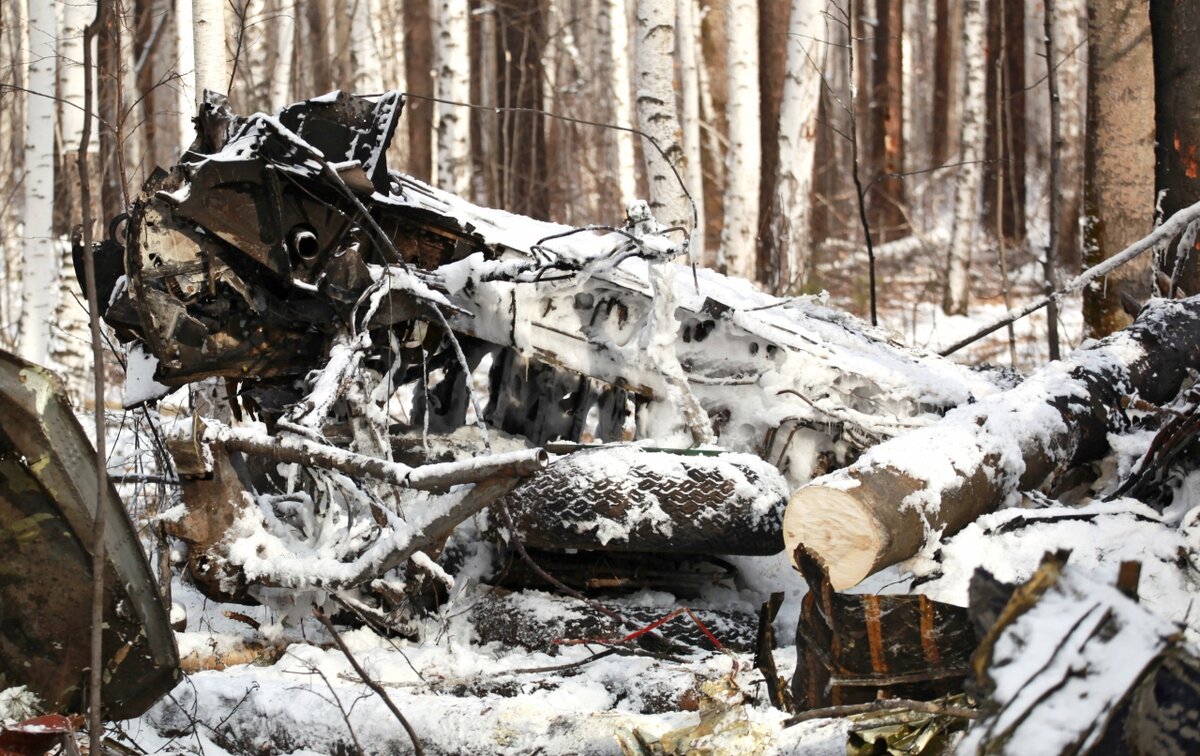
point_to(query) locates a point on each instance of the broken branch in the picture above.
(296, 450)
(1172, 227)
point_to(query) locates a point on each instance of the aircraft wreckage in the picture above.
(395, 340)
(389, 360)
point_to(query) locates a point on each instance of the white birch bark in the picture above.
(622, 87)
(39, 273)
(452, 61)
(655, 79)
(807, 50)
(970, 172)
(71, 342)
(687, 35)
(283, 36)
(366, 66)
(185, 70)
(739, 242)
(74, 17)
(208, 39)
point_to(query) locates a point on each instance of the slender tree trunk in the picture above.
(1054, 244)
(1004, 151)
(418, 62)
(186, 93)
(521, 29)
(655, 42)
(1119, 157)
(773, 18)
(453, 65)
(1070, 53)
(970, 173)
(622, 87)
(687, 44)
(208, 40)
(1174, 28)
(885, 196)
(366, 72)
(282, 41)
(39, 272)
(807, 47)
(945, 66)
(739, 242)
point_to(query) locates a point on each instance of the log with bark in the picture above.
(933, 481)
(1072, 665)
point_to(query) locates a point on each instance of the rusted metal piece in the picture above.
(856, 648)
(48, 495)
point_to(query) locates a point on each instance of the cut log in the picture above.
(935, 480)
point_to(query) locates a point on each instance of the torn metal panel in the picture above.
(856, 648)
(48, 495)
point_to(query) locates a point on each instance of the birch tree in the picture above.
(452, 62)
(657, 117)
(365, 59)
(738, 255)
(208, 40)
(72, 347)
(39, 261)
(185, 67)
(792, 209)
(686, 42)
(970, 173)
(618, 11)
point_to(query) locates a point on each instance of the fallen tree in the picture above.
(934, 481)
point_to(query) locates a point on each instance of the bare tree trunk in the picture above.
(885, 195)
(1054, 244)
(521, 29)
(1004, 151)
(1119, 157)
(970, 173)
(281, 42)
(1174, 27)
(655, 77)
(739, 243)
(772, 72)
(208, 40)
(687, 43)
(622, 87)
(366, 67)
(39, 274)
(1070, 59)
(418, 63)
(808, 45)
(453, 64)
(185, 68)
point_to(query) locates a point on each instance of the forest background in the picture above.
(957, 143)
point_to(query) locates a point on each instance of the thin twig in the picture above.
(95, 681)
(387, 700)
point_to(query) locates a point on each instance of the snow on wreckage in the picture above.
(364, 322)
